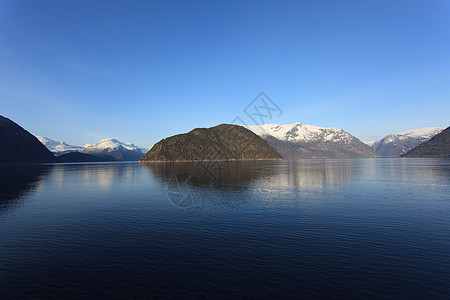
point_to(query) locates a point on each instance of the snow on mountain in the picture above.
(115, 148)
(301, 133)
(57, 147)
(437, 146)
(308, 141)
(111, 143)
(426, 133)
(112, 148)
(396, 144)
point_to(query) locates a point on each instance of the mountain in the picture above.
(18, 145)
(396, 144)
(58, 147)
(220, 143)
(114, 148)
(307, 141)
(437, 146)
(105, 150)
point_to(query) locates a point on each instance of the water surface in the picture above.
(367, 228)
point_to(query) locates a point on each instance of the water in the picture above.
(369, 228)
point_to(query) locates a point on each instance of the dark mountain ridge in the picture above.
(437, 146)
(18, 145)
(224, 142)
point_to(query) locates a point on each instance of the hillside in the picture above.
(396, 144)
(437, 146)
(18, 145)
(296, 140)
(221, 143)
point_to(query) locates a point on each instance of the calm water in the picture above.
(370, 228)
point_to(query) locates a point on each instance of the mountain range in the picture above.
(396, 144)
(296, 140)
(115, 148)
(226, 142)
(106, 149)
(58, 147)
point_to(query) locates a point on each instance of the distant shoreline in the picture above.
(208, 160)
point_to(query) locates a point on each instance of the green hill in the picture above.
(224, 142)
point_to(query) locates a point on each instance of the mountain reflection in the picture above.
(239, 175)
(268, 182)
(101, 176)
(198, 184)
(311, 174)
(217, 174)
(18, 181)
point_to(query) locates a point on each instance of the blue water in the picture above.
(342, 229)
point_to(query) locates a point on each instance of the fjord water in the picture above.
(356, 228)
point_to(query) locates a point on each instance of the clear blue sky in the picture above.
(142, 70)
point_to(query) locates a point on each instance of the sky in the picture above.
(139, 71)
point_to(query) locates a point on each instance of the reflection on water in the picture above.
(312, 229)
(101, 176)
(290, 183)
(205, 183)
(18, 181)
(267, 182)
(298, 174)
(23, 181)
(310, 174)
(404, 169)
(271, 183)
(217, 174)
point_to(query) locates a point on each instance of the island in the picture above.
(224, 142)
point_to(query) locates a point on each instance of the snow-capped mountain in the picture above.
(301, 133)
(437, 146)
(396, 144)
(308, 141)
(111, 149)
(115, 148)
(58, 147)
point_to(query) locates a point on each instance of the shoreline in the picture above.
(207, 160)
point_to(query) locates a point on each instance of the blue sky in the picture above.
(139, 71)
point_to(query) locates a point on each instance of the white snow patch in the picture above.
(111, 143)
(57, 146)
(426, 132)
(421, 134)
(301, 133)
